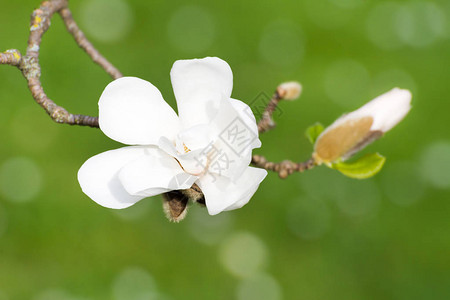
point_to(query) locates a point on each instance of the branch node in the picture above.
(284, 168)
(30, 68)
(60, 115)
(10, 57)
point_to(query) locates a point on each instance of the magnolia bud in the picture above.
(354, 131)
(289, 90)
(175, 205)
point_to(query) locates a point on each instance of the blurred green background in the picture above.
(315, 235)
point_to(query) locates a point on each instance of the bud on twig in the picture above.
(354, 131)
(289, 90)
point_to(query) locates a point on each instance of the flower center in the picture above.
(186, 149)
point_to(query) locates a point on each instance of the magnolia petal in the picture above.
(246, 114)
(235, 124)
(224, 161)
(223, 194)
(237, 134)
(132, 111)
(388, 109)
(199, 85)
(154, 173)
(98, 177)
(192, 162)
(194, 138)
(244, 200)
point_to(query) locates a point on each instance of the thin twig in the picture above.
(31, 69)
(10, 57)
(284, 168)
(84, 43)
(285, 91)
(266, 123)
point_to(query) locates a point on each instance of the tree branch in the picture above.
(31, 69)
(267, 123)
(284, 168)
(84, 44)
(285, 91)
(10, 57)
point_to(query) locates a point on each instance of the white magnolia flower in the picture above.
(209, 143)
(353, 131)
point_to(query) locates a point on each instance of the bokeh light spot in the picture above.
(134, 283)
(436, 164)
(261, 286)
(20, 179)
(308, 218)
(106, 20)
(314, 183)
(243, 254)
(347, 82)
(191, 29)
(402, 184)
(282, 44)
(419, 24)
(208, 229)
(381, 24)
(355, 198)
(358, 198)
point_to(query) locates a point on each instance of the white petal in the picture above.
(223, 146)
(199, 85)
(388, 109)
(224, 161)
(237, 134)
(223, 194)
(194, 138)
(154, 173)
(193, 162)
(98, 177)
(246, 114)
(244, 199)
(132, 111)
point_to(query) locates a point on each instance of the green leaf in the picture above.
(364, 167)
(313, 132)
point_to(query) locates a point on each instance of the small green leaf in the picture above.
(364, 167)
(313, 132)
